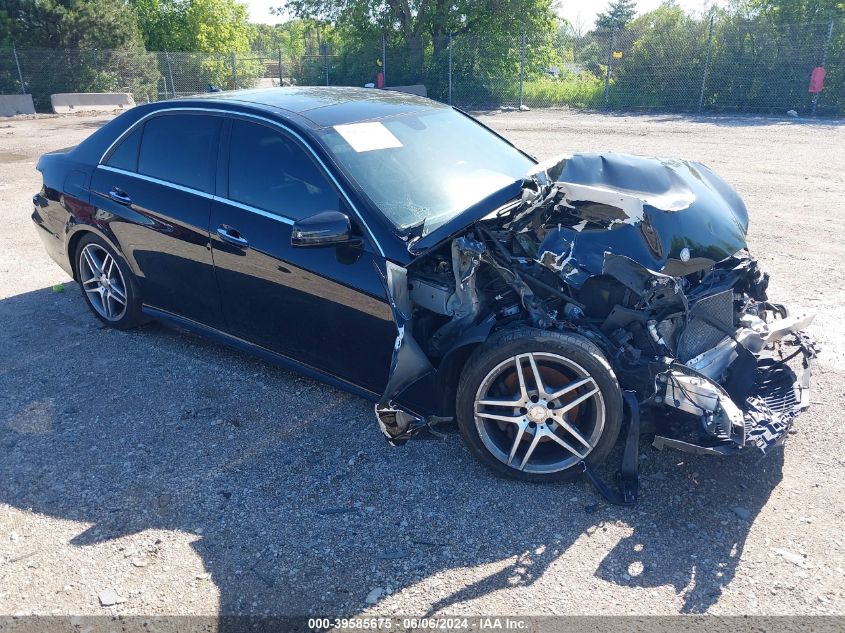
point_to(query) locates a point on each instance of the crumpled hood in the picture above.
(669, 215)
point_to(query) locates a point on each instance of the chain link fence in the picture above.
(688, 65)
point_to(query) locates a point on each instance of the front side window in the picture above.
(269, 171)
(423, 169)
(182, 149)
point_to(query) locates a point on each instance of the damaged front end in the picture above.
(647, 259)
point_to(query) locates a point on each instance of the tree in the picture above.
(617, 16)
(798, 11)
(163, 23)
(76, 46)
(70, 24)
(208, 26)
(218, 26)
(419, 24)
(663, 63)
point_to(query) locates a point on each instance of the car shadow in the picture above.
(297, 503)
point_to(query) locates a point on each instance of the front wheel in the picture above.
(532, 404)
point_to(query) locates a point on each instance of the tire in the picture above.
(116, 302)
(570, 367)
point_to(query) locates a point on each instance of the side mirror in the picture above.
(326, 228)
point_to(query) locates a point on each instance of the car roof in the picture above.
(325, 106)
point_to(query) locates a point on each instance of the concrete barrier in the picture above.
(10, 105)
(417, 89)
(91, 101)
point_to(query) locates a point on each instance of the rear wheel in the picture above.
(532, 404)
(109, 287)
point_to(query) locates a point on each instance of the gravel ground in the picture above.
(175, 476)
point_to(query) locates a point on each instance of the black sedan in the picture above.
(397, 248)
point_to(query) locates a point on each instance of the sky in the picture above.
(583, 11)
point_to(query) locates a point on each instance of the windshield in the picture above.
(423, 169)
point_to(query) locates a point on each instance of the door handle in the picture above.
(120, 196)
(232, 236)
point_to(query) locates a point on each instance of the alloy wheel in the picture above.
(102, 282)
(539, 412)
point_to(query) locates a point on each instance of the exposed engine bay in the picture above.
(644, 257)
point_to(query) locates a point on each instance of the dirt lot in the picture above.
(191, 479)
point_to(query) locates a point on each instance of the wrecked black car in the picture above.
(397, 248)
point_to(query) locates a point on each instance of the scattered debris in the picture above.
(374, 595)
(742, 513)
(109, 597)
(792, 557)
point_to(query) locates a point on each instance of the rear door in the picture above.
(158, 185)
(324, 307)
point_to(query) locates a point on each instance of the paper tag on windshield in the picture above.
(365, 137)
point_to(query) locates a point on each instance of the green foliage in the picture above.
(583, 90)
(797, 11)
(422, 27)
(208, 26)
(663, 61)
(617, 16)
(70, 24)
(163, 23)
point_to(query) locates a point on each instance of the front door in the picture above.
(325, 307)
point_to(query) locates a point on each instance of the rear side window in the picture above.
(182, 149)
(126, 154)
(269, 171)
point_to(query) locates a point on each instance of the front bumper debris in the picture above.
(769, 390)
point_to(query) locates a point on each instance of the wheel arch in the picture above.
(77, 232)
(453, 362)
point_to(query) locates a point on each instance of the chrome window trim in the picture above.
(204, 194)
(248, 115)
(157, 181)
(267, 214)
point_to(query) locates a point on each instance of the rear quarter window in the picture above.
(125, 156)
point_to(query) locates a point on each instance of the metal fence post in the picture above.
(521, 65)
(234, 72)
(170, 72)
(281, 80)
(18, 65)
(450, 69)
(324, 48)
(97, 69)
(706, 63)
(383, 59)
(609, 63)
(824, 60)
